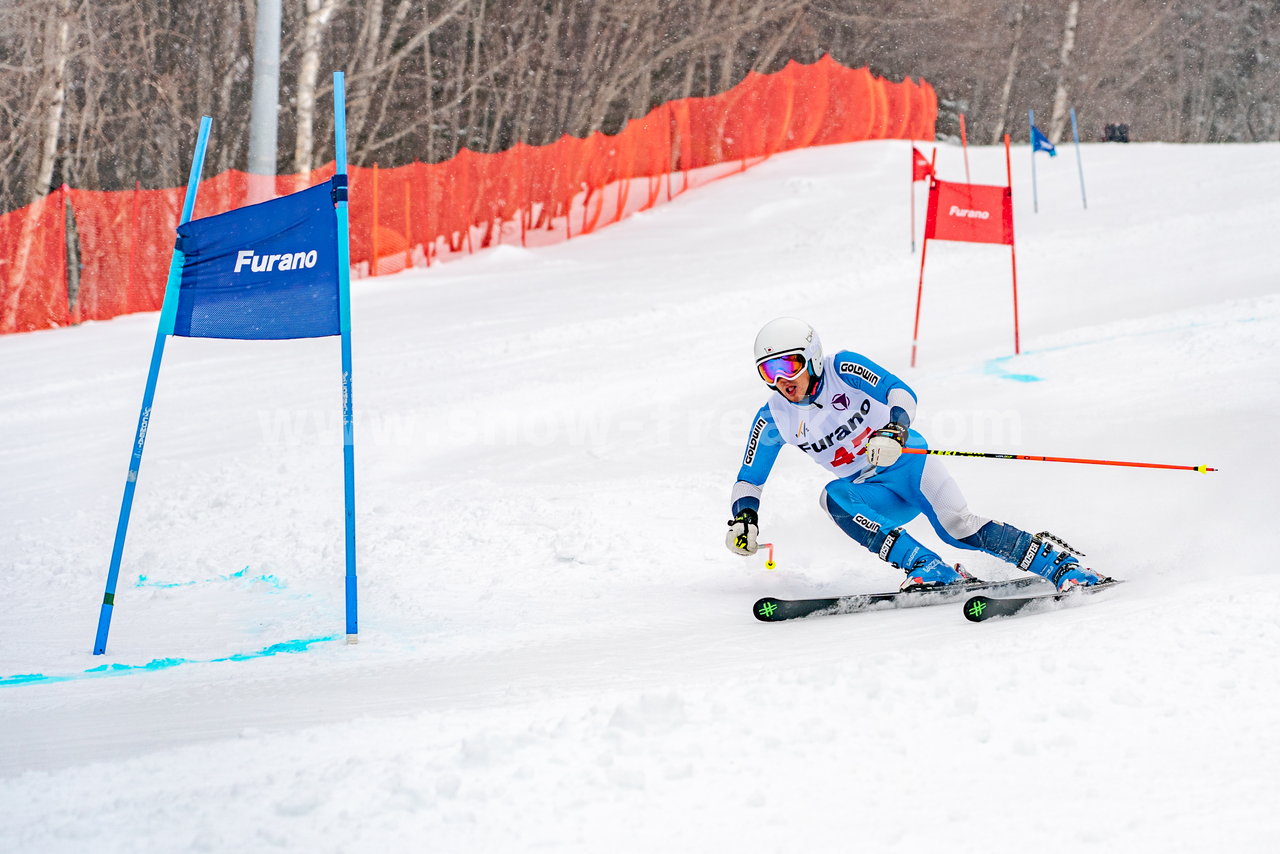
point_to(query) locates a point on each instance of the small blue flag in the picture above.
(1040, 142)
(263, 271)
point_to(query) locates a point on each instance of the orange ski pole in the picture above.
(1202, 469)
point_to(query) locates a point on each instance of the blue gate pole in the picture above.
(168, 312)
(1075, 133)
(344, 325)
(1031, 123)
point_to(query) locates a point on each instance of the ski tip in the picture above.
(765, 609)
(976, 608)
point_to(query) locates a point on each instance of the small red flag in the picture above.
(921, 168)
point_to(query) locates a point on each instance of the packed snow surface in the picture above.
(557, 652)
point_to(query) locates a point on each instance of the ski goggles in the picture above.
(782, 367)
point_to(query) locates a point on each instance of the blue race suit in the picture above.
(855, 397)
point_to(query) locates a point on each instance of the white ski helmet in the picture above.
(788, 336)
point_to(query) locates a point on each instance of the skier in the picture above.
(854, 417)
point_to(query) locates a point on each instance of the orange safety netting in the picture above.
(420, 214)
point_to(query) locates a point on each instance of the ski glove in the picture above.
(885, 445)
(743, 530)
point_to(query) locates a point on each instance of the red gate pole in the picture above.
(1013, 254)
(915, 334)
(1013, 257)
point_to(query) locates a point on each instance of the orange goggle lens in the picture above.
(782, 367)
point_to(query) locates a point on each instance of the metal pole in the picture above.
(264, 109)
(912, 185)
(1031, 123)
(1075, 134)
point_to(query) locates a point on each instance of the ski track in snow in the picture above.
(557, 653)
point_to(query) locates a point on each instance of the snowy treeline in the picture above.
(101, 94)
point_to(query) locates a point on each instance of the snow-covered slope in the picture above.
(556, 650)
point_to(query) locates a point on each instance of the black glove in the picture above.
(743, 530)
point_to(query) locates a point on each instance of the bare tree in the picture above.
(1058, 119)
(105, 93)
(21, 61)
(316, 15)
(1011, 70)
(52, 94)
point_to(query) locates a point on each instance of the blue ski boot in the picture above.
(1060, 567)
(924, 569)
(928, 573)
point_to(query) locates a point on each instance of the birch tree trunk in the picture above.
(318, 14)
(54, 92)
(1011, 71)
(1058, 120)
(50, 97)
(360, 80)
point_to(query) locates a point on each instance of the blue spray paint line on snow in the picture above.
(242, 575)
(286, 647)
(995, 367)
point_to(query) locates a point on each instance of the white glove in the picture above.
(743, 530)
(885, 445)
